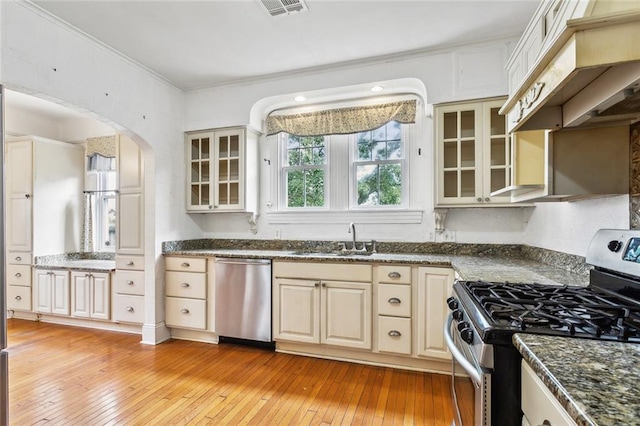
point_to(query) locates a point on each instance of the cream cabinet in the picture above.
(323, 304)
(18, 281)
(434, 287)
(222, 170)
(473, 154)
(130, 200)
(186, 292)
(52, 292)
(90, 295)
(128, 290)
(394, 303)
(539, 406)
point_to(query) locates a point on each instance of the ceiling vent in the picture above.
(283, 7)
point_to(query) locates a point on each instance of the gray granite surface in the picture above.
(97, 262)
(468, 267)
(595, 381)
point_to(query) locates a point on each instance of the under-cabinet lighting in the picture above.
(377, 89)
(299, 98)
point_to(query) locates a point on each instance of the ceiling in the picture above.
(195, 44)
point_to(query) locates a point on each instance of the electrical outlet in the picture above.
(278, 236)
(445, 236)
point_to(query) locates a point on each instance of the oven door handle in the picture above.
(469, 368)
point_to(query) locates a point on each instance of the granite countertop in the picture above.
(95, 265)
(595, 381)
(468, 267)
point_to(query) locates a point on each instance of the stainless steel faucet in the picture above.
(352, 230)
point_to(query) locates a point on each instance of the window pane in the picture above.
(450, 125)
(380, 134)
(314, 185)
(394, 150)
(394, 131)
(295, 189)
(380, 151)
(467, 124)
(364, 150)
(379, 185)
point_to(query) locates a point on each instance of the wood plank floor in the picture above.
(61, 375)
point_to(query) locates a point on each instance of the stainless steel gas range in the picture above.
(485, 315)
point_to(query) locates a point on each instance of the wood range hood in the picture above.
(587, 75)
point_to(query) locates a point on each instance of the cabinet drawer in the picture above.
(129, 282)
(186, 313)
(190, 264)
(19, 258)
(18, 298)
(394, 274)
(128, 308)
(394, 335)
(187, 284)
(135, 263)
(19, 275)
(324, 271)
(394, 300)
(538, 403)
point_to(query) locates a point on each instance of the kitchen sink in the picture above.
(336, 253)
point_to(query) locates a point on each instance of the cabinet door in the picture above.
(296, 310)
(43, 291)
(496, 152)
(199, 169)
(229, 173)
(60, 293)
(459, 143)
(100, 300)
(346, 314)
(130, 225)
(130, 166)
(19, 180)
(434, 287)
(81, 294)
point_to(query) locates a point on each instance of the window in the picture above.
(304, 171)
(105, 212)
(378, 166)
(365, 170)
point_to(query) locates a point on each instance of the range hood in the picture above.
(589, 75)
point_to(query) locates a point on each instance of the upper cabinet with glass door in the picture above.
(473, 154)
(222, 170)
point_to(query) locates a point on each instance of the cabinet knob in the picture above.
(185, 264)
(129, 282)
(395, 333)
(130, 263)
(27, 195)
(18, 275)
(18, 298)
(185, 285)
(394, 300)
(184, 311)
(18, 258)
(324, 284)
(316, 285)
(394, 275)
(129, 308)
(479, 199)
(487, 199)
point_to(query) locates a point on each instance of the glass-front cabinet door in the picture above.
(473, 155)
(215, 170)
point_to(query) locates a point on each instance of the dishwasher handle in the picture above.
(242, 261)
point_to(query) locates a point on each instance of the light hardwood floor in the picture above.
(60, 375)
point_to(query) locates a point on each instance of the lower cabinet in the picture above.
(539, 406)
(52, 292)
(90, 295)
(329, 312)
(18, 285)
(186, 292)
(128, 290)
(434, 287)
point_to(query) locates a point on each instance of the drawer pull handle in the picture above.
(185, 285)
(185, 264)
(184, 311)
(394, 300)
(18, 298)
(18, 258)
(394, 275)
(18, 275)
(129, 308)
(129, 282)
(130, 263)
(395, 333)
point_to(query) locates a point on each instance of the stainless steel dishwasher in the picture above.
(243, 299)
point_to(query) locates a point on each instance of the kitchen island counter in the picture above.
(594, 380)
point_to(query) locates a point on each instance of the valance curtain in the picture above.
(342, 120)
(101, 153)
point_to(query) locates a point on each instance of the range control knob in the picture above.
(462, 325)
(614, 246)
(467, 335)
(452, 302)
(458, 315)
